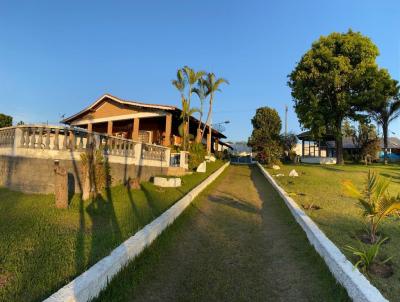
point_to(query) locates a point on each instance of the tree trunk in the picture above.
(339, 151)
(385, 142)
(208, 118)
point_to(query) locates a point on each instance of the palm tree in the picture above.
(191, 78)
(186, 112)
(201, 91)
(384, 115)
(374, 200)
(212, 85)
(180, 84)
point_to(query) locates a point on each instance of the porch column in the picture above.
(302, 148)
(110, 127)
(168, 127)
(216, 142)
(209, 142)
(135, 132)
(90, 127)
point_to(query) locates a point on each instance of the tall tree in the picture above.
(212, 85)
(191, 78)
(201, 91)
(5, 120)
(328, 80)
(265, 138)
(386, 108)
(180, 85)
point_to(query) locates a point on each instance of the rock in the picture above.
(170, 182)
(210, 158)
(280, 175)
(293, 173)
(202, 167)
(276, 167)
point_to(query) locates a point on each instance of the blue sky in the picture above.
(57, 57)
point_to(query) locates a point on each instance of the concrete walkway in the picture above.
(237, 242)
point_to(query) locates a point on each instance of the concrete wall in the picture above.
(318, 160)
(358, 287)
(36, 175)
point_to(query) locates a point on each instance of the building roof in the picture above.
(134, 104)
(348, 143)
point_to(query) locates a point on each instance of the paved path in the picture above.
(237, 242)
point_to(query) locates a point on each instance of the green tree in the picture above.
(387, 107)
(367, 141)
(191, 78)
(201, 91)
(212, 85)
(5, 120)
(328, 81)
(180, 85)
(265, 138)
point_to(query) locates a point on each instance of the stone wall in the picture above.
(36, 175)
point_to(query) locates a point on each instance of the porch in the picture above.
(317, 151)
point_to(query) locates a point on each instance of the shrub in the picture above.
(367, 255)
(375, 201)
(197, 154)
(96, 171)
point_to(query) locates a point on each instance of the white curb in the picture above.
(89, 284)
(357, 286)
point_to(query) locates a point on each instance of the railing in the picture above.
(7, 137)
(65, 138)
(153, 152)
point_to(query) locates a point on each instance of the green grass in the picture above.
(237, 241)
(340, 217)
(43, 248)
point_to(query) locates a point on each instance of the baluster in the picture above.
(65, 141)
(40, 139)
(56, 137)
(47, 143)
(80, 145)
(27, 141)
(33, 138)
(22, 142)
(72, 141)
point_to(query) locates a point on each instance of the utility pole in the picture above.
(286, 110)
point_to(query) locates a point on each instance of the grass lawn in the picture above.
(340, 217)
(237, 241)
(43, 248)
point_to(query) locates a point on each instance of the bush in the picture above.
(197, 154)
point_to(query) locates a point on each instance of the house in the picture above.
(142, 122)
(135, 138)
(323, 150)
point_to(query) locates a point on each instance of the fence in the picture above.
(28, 139)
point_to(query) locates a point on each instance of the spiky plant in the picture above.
(374, 200)
(367, 255)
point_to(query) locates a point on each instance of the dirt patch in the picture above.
(383, 270)
(5, 278)
(310, 207)
(365, 238)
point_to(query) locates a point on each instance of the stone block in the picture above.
(170, 182)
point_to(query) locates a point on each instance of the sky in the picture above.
(57, 57)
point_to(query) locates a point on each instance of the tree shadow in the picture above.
(234, 203)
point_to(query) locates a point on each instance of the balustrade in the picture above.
(65, 138)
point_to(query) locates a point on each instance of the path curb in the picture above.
(90, 283)
(358, 287)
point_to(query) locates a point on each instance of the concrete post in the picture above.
(110, 127)
(60, 186)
